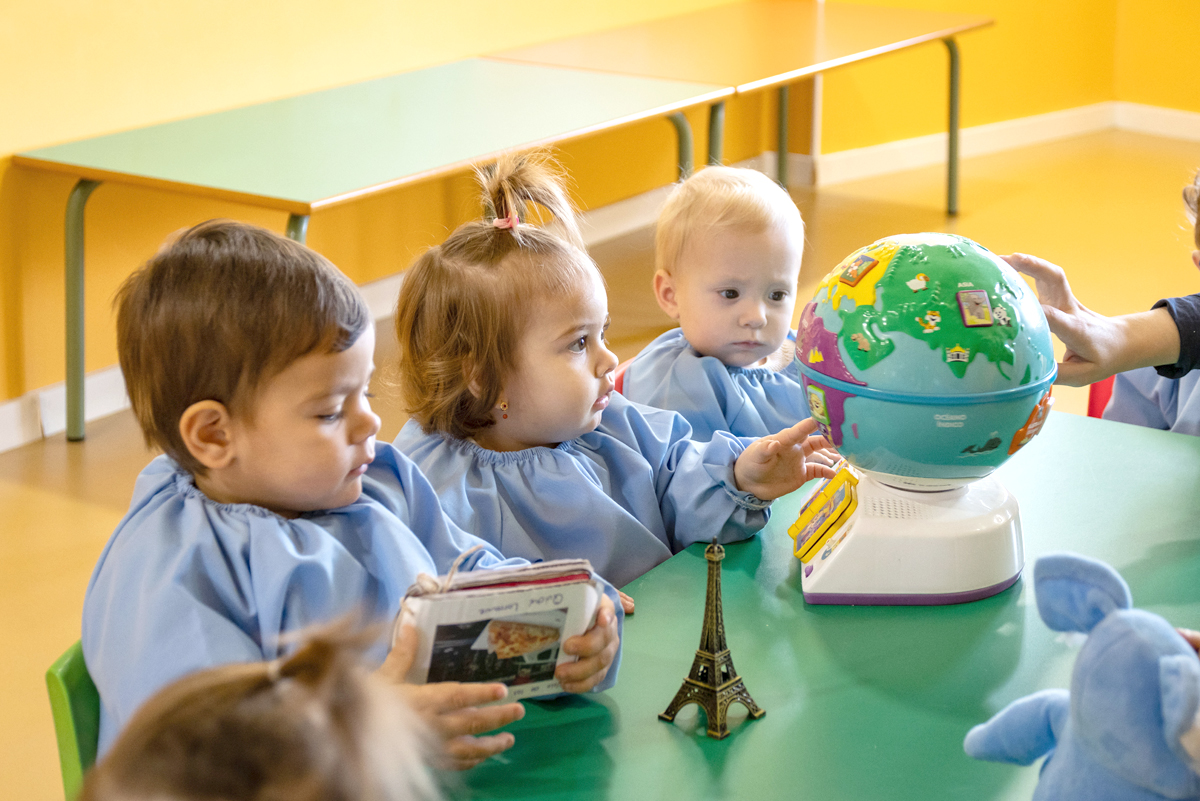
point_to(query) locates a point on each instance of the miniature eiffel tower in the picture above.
(713, 684)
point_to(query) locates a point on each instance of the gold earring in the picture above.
(504, 408)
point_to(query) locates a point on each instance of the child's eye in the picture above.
(330, 418)
(728, 294)
(778, 295)
(578, 346)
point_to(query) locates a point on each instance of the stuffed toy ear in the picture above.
(1179, 685)
(1075, 593)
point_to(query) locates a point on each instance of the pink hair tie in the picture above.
(511, 221)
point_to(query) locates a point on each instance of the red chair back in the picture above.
(1098, 395)
(619, 376)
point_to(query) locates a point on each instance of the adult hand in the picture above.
(1097, 346)
(596, 649)
(781, 463)
(453, 709)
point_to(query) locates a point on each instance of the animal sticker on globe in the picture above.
(816, 404)
(853, 272)
(975, 307)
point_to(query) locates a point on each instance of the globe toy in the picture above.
(927, 362)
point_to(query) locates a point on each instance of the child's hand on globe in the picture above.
(781, 463)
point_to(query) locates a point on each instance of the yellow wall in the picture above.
(81, 69)
(1156, 55)
(1039, 56)
(75, 70)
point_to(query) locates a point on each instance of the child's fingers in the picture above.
(400, 659)
(594, 640)
(463, 753)
(475, 721)
(444, 697)
(626, 603)
(797, 433)
(584, 674)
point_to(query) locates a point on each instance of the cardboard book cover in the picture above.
(505, 625)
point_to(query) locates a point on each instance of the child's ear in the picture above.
(207, 431)
(1196, 258)
(664, 293)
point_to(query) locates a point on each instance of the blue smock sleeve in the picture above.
(693, 481)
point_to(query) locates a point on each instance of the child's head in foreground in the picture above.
(315, 726)
(247, 358)
(727, 259)
(501, 327)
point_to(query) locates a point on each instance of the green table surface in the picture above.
(302, 153)
(865, 702)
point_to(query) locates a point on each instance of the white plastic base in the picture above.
(902, 547)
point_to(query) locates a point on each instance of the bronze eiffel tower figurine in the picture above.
(713, 684)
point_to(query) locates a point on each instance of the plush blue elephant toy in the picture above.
(1128, 727)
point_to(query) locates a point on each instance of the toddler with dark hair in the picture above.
(247, 358)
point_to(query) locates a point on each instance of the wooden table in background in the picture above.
(305, 153)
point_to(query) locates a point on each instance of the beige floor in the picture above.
(1105, 206)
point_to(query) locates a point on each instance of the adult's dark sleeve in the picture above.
(1186, 313)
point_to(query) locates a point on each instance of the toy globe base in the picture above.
(900, 547)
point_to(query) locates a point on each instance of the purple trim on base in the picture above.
(932, 599)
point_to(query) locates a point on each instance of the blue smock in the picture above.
(1143, 397)
(186, 583)
(624, 496)
(746, 401)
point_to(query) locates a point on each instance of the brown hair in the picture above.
(315, 726)
(220, 309)
(719, 197)
(466, 302)
(1191, 197)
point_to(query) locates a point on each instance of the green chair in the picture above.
(75, 704)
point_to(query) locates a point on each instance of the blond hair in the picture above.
(218, 310)
(465, 303)
(315, 726)
(720, 197)
(1191, 198)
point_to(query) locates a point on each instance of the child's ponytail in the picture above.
(516, 181)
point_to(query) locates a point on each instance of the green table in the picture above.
(866, 702)
(321, 149)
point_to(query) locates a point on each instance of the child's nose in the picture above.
(366, 423)
(607, 363)
(754, 315)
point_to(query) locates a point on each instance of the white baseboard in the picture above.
(924, 151)
(104, 394)
(43, 412)
(1158, 121)
(20, 422)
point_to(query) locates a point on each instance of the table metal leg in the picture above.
(716, 132)
(952, 140)
(297, 227)
(781, 147)
(74, 295)
(683, 131)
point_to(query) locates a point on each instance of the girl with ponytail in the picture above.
(508, 379)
